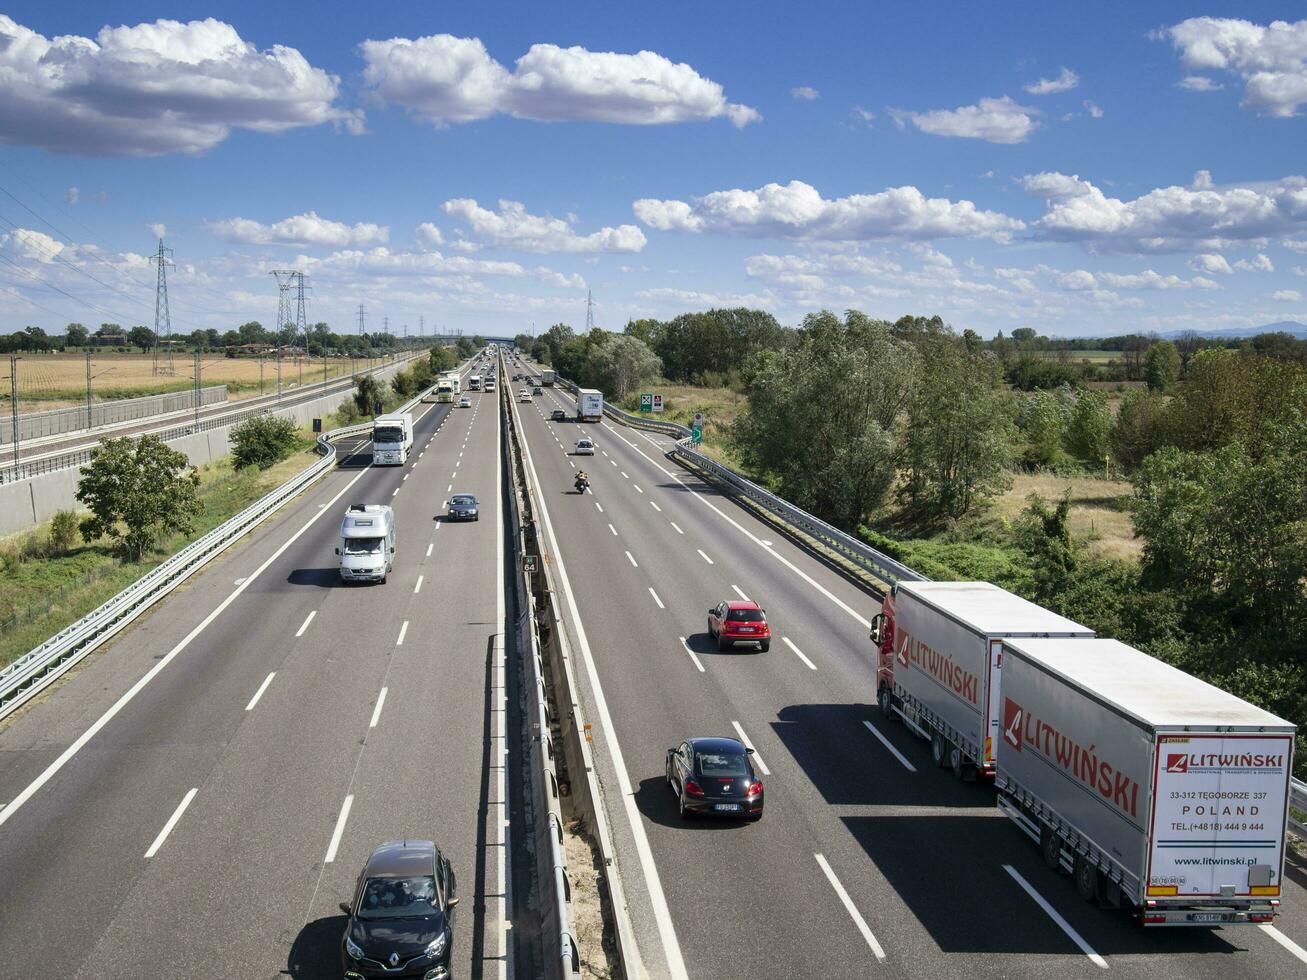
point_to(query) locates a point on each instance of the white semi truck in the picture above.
(589, 405)
(1158, 792)
(392, 438)
(367, 543)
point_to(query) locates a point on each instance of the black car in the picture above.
(536, 390)
(462, 507)
(714, 777)
(558, 415)
(401, 919)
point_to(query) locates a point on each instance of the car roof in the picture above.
(742, 604)
(717, 744)
(402, 858)
(464, 493)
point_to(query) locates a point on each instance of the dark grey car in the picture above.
(462, 507)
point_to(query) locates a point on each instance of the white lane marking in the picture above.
(677, 526)
(1053, 914)
(172, 822)
(240, 580)
(637, 487)
(600, 506)
(431, 545)
(505, 966)
(892, 750)
(631, 559)
(604, 451)
(704, 557)
(403, 631)
(623, 472)
(395, 491)
(852, 909)
(449, 488)
(421, 454)
(655, 598)
(653, 883)
(749, 745)
(739, 593)
(406, 476)
(340, 829)
(259, 693)
(613, 461)
(571, 464)
(613, 529)
(654, 505)
(799, 653)
(309, 619)
(1285, 941)
(418, 587)
(686, 645)
(376, 712)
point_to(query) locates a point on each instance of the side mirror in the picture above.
(392, 549)
(344, 908)
(712, 612)
(451, 903)
(750, 751)
(337, 551)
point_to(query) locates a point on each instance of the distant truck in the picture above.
(474, 383)
(1158, 792)
(547, 377)
(367, 543)
(589, 405)
(444, 391)
(939, 663)
(392, 438)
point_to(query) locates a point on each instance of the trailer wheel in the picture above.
(957, 761)
(886, 702)
(1050, 845)
(939, 749)
(1086, 879)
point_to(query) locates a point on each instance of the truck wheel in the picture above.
(886, 702)
(957, 761)
(1086, 879)
(939, 749)
(1050, 845)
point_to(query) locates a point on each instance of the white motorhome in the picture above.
(392, 438)
(367, 543)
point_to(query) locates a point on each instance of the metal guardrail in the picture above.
(1298, 801)
(62, 421)
(38, 668)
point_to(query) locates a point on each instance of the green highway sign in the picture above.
(696, 432)
(646, 403)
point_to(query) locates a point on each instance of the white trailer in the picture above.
(940, 665)
(1158, 792)
(367, 543)
(392, 438)
(589, 405)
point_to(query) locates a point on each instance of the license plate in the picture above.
(727, 807)
(1209, 917)
(747, 629)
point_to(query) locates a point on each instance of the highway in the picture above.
(200, 795)
(867, 860)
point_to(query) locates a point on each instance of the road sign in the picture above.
(696, 432)
(698, 419)
(529, 564)
(657, 403)
(317, 425)
(646, 403)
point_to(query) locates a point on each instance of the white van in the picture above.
(367, 543)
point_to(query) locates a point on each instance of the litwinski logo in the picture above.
(1012, 716)
(1177, 762)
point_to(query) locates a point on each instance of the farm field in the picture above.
(47, 381)
(1099, 515)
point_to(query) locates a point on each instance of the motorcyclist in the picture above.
(582, 481)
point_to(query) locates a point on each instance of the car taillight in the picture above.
(1154, 919)
(1261, 917)
(693, 788)
(755, 788)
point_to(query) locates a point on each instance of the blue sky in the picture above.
(1127, 166)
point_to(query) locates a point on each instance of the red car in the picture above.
(736, 621)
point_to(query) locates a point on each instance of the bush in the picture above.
(63, 531)
(262, 440)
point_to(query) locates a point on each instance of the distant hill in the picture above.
(1299, 330)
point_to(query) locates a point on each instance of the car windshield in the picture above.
(398, 898)
(463, 500)
(745, 615)
(722, 764)
(363, 546)
(584, 442)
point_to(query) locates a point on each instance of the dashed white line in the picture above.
(623, 472)
(654, 505)
(892, 750)
(449, 488)
(259, 693)
(1053, 914)
(340, 828)
(395, 491)
(1285, 941)
(300, 632)
(600, 506)
(655, 598)
(739, 593)
(704, 556)
(613, 461)
(432, 544)
(403, 631)
(406, 476)
(418, 587)
(686, 645)
(799, 653)
(637, 487)
(749, 745)
(172, 822)
(677, 526)
(631, 559)
(613, 529)
(238, 581)
(376, 712)
(852, 909)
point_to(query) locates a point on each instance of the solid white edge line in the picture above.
(1285, 941)
(631, 559)
(655, 598)
(1056, 916)
(308, 619)
(749, 745)
(505, 966)
(704, 556)
(340, 829)
(417, 586)
(403, 631)
(798, 653)
(172, 822)
(685, 643)
(376, 712)
(852, 909)
(892, 750)
(653, 881)
(259, 693)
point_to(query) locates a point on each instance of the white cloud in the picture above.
(865, 115)
(72, 195)
(559, 279)
(1065, 81)
(429, 235)
(1211, 263)
(445, 79)
(1294, 246)
(513, 227)
(1287, 295)
(993, 120)
(300, 229)
(1271, 60)
(1168, 218)
(805, 92)
(382, 262)
(704, 300)
(797, 210)
(1092, 108)
(35, 246)
(1258, 263)
(1198, 83)
(157, 230)
(163, 87)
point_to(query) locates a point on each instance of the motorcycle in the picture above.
(582, 484)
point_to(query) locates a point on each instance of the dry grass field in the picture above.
(48, 381)
(1099, 514)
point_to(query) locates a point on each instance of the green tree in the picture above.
(367, 393)
(466, 347)
(1231, 396)
(1089, 427)
(136, 492)
(262, 440)
(1043, 423)
(1162, 366)
(650, 331)
(823, 415)
(63, 531)
(1141, 427)
(441, 359)
(75, 335)
(142, 337)
(617, 363)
